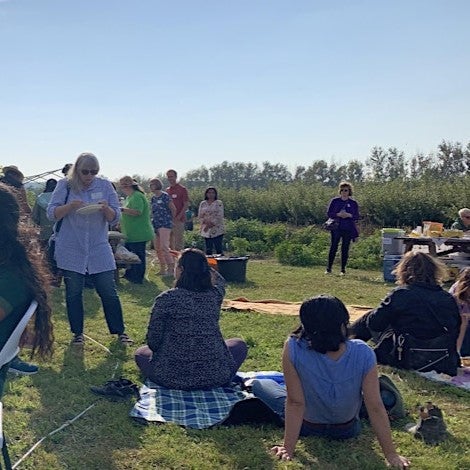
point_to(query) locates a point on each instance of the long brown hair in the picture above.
(462, 289)
(20, 251)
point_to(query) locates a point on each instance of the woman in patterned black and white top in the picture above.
(186, 350)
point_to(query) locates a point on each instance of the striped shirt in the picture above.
(82, 243)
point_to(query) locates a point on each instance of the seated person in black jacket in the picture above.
(412, 308)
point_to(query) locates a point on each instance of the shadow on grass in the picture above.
(65, 393)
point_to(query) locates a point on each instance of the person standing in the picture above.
(211, 215)
(163, 213)
(345, 210)
(87, 204)
(14, 178)
(179, 195)
(136, 226)
(39, 214)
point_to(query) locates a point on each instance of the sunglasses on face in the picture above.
(87, 172)
(344, 190)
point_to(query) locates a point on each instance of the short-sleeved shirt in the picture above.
(332, 388)
(14, 300)
(137, 228)
(179, 195)
(161, 213)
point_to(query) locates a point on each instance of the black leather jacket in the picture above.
(409, 309)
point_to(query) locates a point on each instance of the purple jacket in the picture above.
(351, 206)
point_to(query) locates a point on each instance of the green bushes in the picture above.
(306, 246)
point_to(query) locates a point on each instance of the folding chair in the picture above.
(7, 353)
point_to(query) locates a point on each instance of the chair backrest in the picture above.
(11, 348)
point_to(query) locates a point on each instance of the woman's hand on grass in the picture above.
(397, 461)
(281, 453)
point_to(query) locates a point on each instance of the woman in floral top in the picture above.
(163, 211)
(211, 215)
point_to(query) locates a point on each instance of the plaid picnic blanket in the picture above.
(197, 409)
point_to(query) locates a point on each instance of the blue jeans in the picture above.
(274, 395)
(106, 288)
(136, 272)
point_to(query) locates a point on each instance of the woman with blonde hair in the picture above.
(419, 306)
(136, 226)
(86, 205)
(461, 292)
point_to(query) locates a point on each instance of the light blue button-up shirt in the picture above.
(82, 243)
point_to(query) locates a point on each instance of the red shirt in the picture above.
(179, 196)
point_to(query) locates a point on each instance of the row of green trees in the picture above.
(451, 159)
(382, 204)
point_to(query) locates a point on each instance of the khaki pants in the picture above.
(177, 236)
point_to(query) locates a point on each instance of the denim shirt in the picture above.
(82, 243)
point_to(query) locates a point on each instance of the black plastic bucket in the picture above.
(233, 269)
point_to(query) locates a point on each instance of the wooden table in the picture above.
(121, 264)
(457, 245)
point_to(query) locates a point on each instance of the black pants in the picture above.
(214, 244)
(336, 236)
(136, 272)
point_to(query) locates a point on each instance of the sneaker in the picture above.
(342, 273)
(78, 339)
(125, 340)
(19, 367)
(122, 388)
(328, 271)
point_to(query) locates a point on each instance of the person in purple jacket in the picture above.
(346, 210)
(87, 205)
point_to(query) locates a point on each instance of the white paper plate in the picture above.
(89, 209)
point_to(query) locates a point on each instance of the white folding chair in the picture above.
(7, 353)
(11, 348)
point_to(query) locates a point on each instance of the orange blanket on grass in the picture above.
(278, 307)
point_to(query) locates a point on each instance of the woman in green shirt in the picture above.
(22, 279)
(136, 226)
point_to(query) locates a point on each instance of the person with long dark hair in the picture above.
(136, 226)
(185, 348)
(327, 375)
(23, 278)
(87, 204)
(211, 215)
(345, 211)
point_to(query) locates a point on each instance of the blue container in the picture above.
(390, 261)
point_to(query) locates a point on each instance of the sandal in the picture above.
(122, 388)
(125, 340)
(78, 339)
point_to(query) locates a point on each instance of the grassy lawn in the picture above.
(106, 438)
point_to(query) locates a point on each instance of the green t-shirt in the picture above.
(14, 300)
(137, 228)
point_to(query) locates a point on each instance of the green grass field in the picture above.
(106, 438)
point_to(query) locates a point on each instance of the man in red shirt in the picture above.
(179, 196)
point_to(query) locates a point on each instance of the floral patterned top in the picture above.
(211, 215)
(161, 213)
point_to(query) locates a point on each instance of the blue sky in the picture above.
(147, 84)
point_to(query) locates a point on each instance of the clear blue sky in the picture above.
(147, 84)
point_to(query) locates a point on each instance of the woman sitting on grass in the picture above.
(327, 376)
(185, 348)
(22, 279)
(419, 306)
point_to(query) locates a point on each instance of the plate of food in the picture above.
(89, 209)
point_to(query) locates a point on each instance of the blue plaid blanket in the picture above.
(197, 409)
